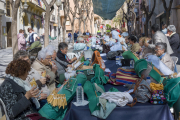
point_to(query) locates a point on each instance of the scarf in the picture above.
(160, 57)
(172, 34)
(26, 87)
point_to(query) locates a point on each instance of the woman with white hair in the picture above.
(160, 50)
(80, 45)
(173, 37)
(42, 63)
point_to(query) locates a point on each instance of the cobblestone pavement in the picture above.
(6, 57)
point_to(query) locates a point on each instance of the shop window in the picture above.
(38, 28)
(32, 24)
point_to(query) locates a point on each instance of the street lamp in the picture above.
(58, 4)
(25, 6)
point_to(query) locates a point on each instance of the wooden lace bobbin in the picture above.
(43, 74)
(33, 83)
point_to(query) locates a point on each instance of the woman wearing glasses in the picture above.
(160, 51)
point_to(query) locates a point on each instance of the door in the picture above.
(9, 35)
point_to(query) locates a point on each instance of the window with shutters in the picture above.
(8, 8)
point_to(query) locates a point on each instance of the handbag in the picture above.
(106, 48)
(141, 90)
(96, 59)
(123, 76)
(88, 54)
(158, 97)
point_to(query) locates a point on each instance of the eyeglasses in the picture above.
(157, 49)
(48, 58)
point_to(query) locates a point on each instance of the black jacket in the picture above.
(174, 42)
(61, 56)
(17, 106)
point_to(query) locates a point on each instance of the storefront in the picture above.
(32, 17)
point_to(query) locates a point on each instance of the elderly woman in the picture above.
(173, 37)
(17, 96)
(40, 80)
(135, 46)
(80, 45)
(160, 50)
(144, 51)
(61, 54)
(43, 64)
(61, 65)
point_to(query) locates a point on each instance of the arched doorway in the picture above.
(25, 24)
(38, 27)
(32, 22)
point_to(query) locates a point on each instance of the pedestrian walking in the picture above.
(21, 40)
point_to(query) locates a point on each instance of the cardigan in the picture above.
(13, 96)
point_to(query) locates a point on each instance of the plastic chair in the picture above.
(4, 108)
(175, 59)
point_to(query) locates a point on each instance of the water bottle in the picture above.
(117, 60)
(79, 94)
(120, 60)
(132, 63)
(148, 80)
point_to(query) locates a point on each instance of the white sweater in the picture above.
(119, 98)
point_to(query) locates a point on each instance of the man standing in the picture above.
(87, 33)
(173, 37)
(158, 36)
(75, 36)
(31, 37)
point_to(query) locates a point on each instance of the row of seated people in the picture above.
(157, 45)
(141, 51)
(22, 100)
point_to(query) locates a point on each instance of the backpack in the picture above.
(69, 34)
(96, 59)
(31, 38)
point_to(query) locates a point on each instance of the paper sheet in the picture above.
(107, 70)
(103, 54)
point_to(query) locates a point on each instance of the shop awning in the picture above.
(107, 8)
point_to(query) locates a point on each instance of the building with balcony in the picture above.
(32, 17)
(2, 28)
